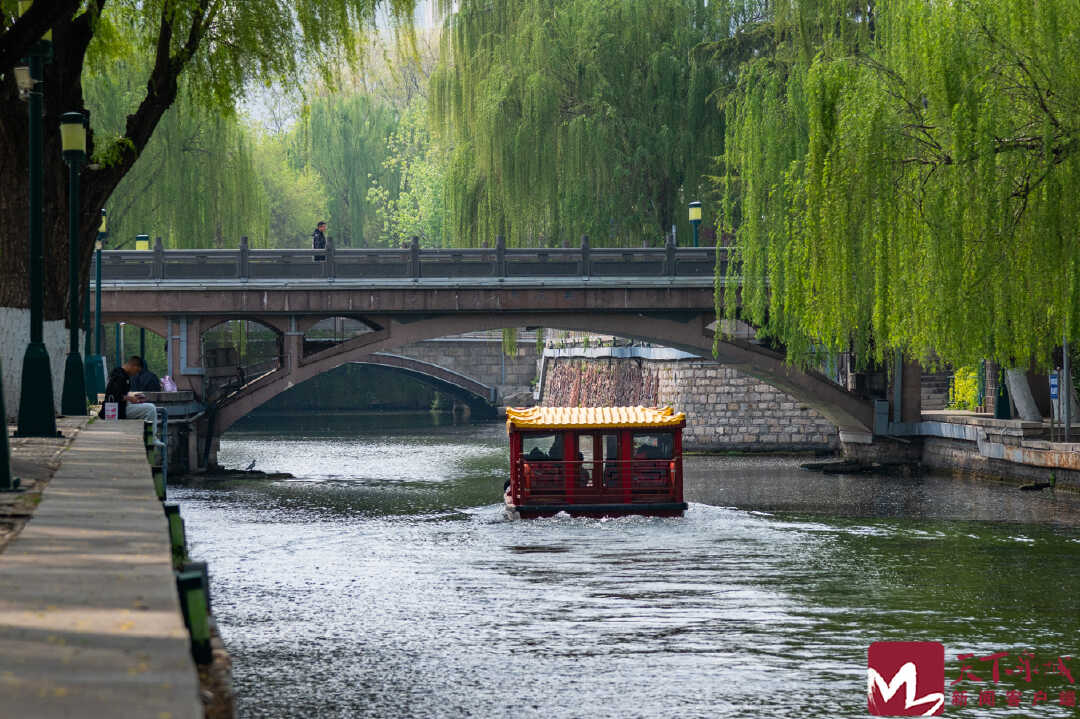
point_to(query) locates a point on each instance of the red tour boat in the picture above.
(595, 461)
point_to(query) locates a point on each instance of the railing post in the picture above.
(500, 256)
(585, 265)
(159, 260)
(414, 256)
(242, 265)
(331, 270)
(669, 255)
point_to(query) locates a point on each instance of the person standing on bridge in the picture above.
(318, 240)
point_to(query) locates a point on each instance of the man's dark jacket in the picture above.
(145, 381)
(116, 390)
(318, 240)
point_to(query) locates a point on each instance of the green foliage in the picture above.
(964, 389)
(344, 139)
(903, 179)
(296, 196)
(415, 164)
(194, 184)
(229, 46)
(578, 117)
(510, 341)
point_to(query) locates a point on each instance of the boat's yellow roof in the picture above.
(592, 417)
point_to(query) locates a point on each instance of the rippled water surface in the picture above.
(384, 582)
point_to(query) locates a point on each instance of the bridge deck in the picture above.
(410, 264)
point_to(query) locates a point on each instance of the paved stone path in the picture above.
(33, 462)
(90, 622)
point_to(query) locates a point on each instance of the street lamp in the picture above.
(695, 218)
(73, 144)
(99, 245)
(119, 336)
(95, 363)
(37, 410)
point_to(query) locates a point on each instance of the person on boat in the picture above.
(536, 455)
(555, 454)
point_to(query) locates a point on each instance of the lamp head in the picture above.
(695, 211)
(104, 227)
(73, 137)
(23, 80)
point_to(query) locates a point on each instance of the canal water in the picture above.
(384, 581)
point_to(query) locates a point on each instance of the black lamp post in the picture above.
(73, 142)
(37, 410)
(695, 218)
(99, 245)
(95, 364)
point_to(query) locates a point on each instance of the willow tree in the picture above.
(569, 117)
(905, 180)
(217, 46)
(192, 148)
(344, 139)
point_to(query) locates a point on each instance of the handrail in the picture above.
(245, 264)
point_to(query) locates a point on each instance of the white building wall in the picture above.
(14, 336)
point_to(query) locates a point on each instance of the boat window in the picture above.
(653, 445)
(611, 447)
(542, 447)
(585, 447)
(585, 457)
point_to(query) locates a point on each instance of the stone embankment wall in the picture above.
(726, 410)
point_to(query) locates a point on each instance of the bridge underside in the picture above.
(401, 316)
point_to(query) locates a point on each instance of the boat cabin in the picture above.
(595, 461)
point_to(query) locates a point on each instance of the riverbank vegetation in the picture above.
(897, 176)
(893, 176)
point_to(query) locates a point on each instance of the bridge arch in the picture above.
(688, 331)
(477, 394)
(481, 398)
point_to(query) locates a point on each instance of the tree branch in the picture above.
(30, 28)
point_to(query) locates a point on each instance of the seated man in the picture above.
(129, 405)
(145, 380)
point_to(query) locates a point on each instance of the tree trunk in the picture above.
(1021, 395)
(62, 88)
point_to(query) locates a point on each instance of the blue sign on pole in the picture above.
(1053, 385)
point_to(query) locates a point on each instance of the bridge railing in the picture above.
(408, 262)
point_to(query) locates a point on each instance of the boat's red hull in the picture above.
(658, 509)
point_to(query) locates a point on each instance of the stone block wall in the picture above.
(726, 409)
(480, 356)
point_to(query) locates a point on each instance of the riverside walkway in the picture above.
(90, 622)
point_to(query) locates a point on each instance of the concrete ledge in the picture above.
(90, 621)
(960, 456)
(620, 352)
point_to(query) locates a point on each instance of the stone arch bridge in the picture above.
(401, 297)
